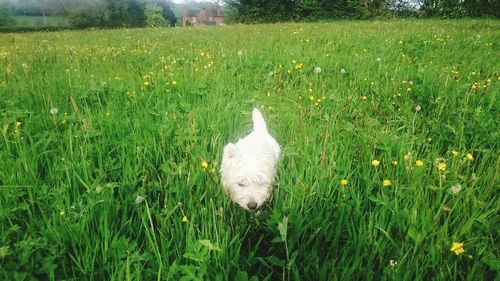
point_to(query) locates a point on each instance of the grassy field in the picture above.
(390, 141)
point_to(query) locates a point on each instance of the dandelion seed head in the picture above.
(455, 188)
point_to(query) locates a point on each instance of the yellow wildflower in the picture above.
(344, 182)
(185, 219)
(174, 82)
(18, 124)
(62, 213)
(386, 183)
(394, 162)
(204, 165)
(469, 157)
(442, 167)
(419, 163)
(457, 248)
(407, 157)
(454, 153)
(375, 162)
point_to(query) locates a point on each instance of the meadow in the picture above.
(111, 142)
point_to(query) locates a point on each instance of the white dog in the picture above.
(248, 167)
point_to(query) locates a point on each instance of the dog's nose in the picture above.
(252, 205)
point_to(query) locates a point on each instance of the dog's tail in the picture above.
(258, 121)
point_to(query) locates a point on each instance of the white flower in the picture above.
(271, 73)
(24, 65)
(54, 111)
(343, 71)
(410, 83)
(456, 188)
(139, 199)
(393, 263)
(240, 53)
(418, 108)
(317, 70)
(379, 59)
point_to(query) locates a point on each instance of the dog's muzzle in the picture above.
(252, 205)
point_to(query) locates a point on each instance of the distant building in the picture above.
(202, 14)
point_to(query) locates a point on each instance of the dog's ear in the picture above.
(230, 150)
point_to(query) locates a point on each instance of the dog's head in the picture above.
(247, 178)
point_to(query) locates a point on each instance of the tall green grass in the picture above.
(103, 134)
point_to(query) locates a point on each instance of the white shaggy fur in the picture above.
(248, 167)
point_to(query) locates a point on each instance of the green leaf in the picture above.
(282, 227)
(209, 245)
(492, 261)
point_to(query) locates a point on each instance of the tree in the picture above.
(154, 17)
(5, 16)
(168, 14)
(137, 18)
(85, 17)
(116, 13)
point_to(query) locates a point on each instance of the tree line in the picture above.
(286, 10)
(94, 13)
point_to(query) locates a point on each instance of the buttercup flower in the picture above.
(185, 219)
(419, 163)
(469, 157)
(375, 162)
(204, 165)
(394, 162)
(386, 183)
(457, 248)
(62, 213)
(344, 182)
(442, 167)
(454, 153)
